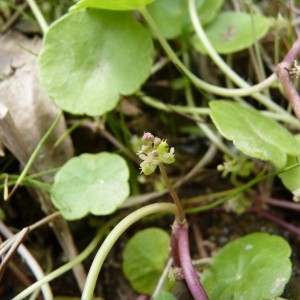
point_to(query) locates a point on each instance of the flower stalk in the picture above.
(155, 153)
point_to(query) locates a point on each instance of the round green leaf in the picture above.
(111, 4)
(253, 133)
(91, 57)
(256, 266)
(91, 183)
(144, 259)
(233, 31)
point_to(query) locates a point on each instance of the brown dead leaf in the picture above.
(32, 111)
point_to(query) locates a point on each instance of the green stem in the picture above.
(267, 102)
(38, 15)
(158, 104)
(203, 111)
(181, 214)
(210, 50)
(225, 92)
(239, 190)
(110, 240)
(70, 130)
(68, 266)
(35, 153)
(215, 139)
(247, 90)
(257, 58)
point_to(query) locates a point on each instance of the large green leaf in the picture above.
(91, 57)
(91, 183)
(144, 258)
(234, 31)
(171, 16)
(256, 266)
(253, 133)
(111, 4)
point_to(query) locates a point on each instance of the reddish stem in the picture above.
(174, 244)
(282, 223)
(189, 272)
(282, 203)
(282, 72)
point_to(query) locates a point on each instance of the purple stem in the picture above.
(174, 244)
(293, 52)
(189, 272)
(282, 203)
(284, 77)
(282, 223)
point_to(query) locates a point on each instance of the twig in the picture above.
(199, 240)
(14, 17)
(12, 244)
(102, 231)
(106, 134)
(162, 278)
(282, 71)
(29, 259)
(18, 239)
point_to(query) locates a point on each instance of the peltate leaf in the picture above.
(144, 258)
(90, 58)
(253, 133)
(91, 183)
(111, 4)
(234, 31)
(256, 266)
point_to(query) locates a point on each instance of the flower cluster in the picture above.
(153, 152)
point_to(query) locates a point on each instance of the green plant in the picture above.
(98, 57)
(236, 278)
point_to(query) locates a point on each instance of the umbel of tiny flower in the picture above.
(153, 152)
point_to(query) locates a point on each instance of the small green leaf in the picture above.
(144, 259)
(91, 183)
(291, 178)
(172, 15)
(256, 266)
(111, 4)
(233, 31)
(207, 10)
(253, 133)
(90, 58)
(169, 15)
